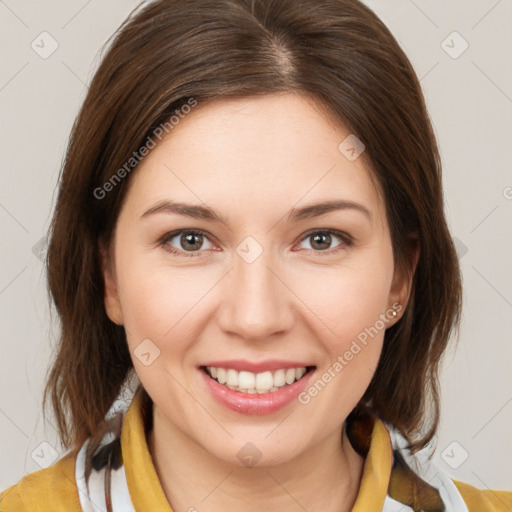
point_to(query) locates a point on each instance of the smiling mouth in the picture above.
(256, 383)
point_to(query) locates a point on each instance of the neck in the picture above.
(325, 478)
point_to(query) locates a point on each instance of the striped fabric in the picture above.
(392, 481)
(124, 479)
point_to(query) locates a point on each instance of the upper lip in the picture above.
(267, 365)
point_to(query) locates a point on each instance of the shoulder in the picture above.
(478, 500)
(53, 485)
(417, 477)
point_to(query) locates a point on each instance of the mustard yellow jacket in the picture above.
(388, 483)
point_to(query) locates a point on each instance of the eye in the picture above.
(322, 239)
(187, 242)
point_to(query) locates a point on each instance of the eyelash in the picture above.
(347, 241)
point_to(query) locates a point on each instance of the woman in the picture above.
(250, 227)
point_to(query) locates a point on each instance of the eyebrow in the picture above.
(295, 214)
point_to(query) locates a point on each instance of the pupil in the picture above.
(325, 237)
(190, 240)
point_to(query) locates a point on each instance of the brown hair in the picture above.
(169, 52)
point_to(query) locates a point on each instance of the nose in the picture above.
(256, 301)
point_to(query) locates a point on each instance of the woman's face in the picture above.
(263, 288)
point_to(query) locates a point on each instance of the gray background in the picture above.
(469, 97)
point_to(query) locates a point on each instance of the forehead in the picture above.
(249, 153)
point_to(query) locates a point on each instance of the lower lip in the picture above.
(255, 404)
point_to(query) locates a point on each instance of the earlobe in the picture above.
(111, 297)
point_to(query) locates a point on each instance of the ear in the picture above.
(401, 287)
(111, 297)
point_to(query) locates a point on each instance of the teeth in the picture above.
(255, 383)
(264, 381)
(221, 375)
(232, 376)
(279, 378)
(290, 376)
(245, 379)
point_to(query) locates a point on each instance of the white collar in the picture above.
(93, 499)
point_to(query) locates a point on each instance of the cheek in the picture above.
(161, 303)
(350, 320)
(351, 301)
(352, 309)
